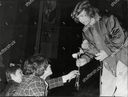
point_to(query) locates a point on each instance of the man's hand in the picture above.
(70, 75)
(81, 62)
(85, 44)
(76, 55)
(101, 55)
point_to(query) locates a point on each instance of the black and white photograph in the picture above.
(64, 48)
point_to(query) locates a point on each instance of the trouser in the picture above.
(122, 80)
(115, 86)
(108, 83)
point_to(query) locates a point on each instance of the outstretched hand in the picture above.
(70, 75)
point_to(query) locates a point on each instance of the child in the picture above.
(14, 77)
(36, 70)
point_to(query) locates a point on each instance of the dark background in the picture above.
(21, 23)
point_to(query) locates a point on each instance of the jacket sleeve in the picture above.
(91, 51)
(55, 82)
(114, 39)
(115, 36)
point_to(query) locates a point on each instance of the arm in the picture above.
(86, 55)
(115, 35)
(88, 45)
(55, 82)
(88, 51)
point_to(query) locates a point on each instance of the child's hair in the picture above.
(33, 65)
(11, 70)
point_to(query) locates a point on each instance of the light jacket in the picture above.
(106, 34)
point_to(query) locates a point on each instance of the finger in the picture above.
(81, 51)
(100, 59)
(97, 58)
(74, 55)
(76, 73)
(73, 76)
(69, 80)
(98, 54)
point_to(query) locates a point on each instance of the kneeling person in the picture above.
(36, 70)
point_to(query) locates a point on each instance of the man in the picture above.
(36, 70)
(104, 40)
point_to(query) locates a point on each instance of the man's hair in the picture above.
(11, 70)
(87, 7)
(35, 65)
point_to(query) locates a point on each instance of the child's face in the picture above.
(17, 77)
(48, 70)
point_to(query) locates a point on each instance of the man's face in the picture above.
(84, 18)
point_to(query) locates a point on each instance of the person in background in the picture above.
(36, 71)
(104, 40)
(2, 75)
(14, 77)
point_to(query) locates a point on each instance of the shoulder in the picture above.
(109, 19)
(36, 82)
(29, 82)
(37, 86)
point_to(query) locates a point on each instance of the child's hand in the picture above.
(70, 75)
